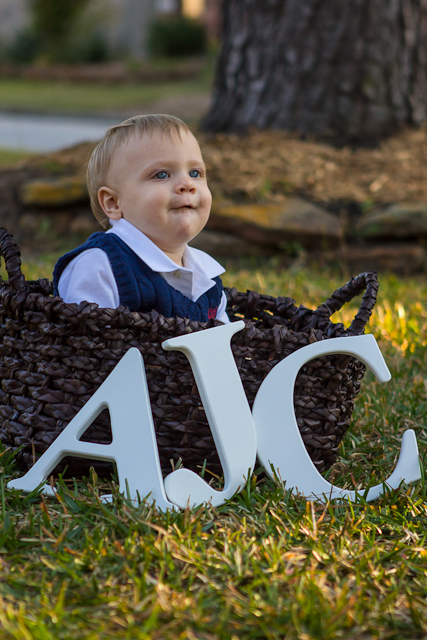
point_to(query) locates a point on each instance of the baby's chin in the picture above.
(187, 230)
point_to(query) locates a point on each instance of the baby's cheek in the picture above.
(209, 196)
(207, 202)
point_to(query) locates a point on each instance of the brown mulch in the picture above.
(273, 165)
(70, 160)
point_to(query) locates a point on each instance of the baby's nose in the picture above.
(186, 184)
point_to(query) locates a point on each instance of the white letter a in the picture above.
(134, 447)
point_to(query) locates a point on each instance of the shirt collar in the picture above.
(194, 259)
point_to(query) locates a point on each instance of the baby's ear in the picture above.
(108, 201)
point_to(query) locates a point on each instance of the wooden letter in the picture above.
(279, 440)
(134, 447)
(228, 413)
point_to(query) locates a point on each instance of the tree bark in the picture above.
(355, 70)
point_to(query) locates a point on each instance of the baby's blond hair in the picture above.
(114, 138)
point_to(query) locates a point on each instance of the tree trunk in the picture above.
(355, 70)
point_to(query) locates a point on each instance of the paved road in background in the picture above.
(49, 133)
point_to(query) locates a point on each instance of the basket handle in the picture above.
(12, 259)
(367, 280)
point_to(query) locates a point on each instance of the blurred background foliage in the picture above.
(177, 35)
(58, 32)
(76, 32)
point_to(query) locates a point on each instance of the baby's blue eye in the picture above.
(194, 173)
(161, 175)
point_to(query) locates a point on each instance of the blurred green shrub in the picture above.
(177, 36)
(53, 22)
(96, 48)
(59, 32)
(83, 47)
(25, 47)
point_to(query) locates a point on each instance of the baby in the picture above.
(146, 179)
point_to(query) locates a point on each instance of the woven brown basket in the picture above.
(53, 356)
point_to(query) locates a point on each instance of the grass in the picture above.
(266, 565)
(84, 98)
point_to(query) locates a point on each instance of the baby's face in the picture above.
(159, 185)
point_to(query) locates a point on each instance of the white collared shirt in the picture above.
(89, 275)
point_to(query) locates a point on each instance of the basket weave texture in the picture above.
(53, 357)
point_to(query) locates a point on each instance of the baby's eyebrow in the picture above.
(167, 162)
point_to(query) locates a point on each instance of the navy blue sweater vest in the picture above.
(140, 288)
